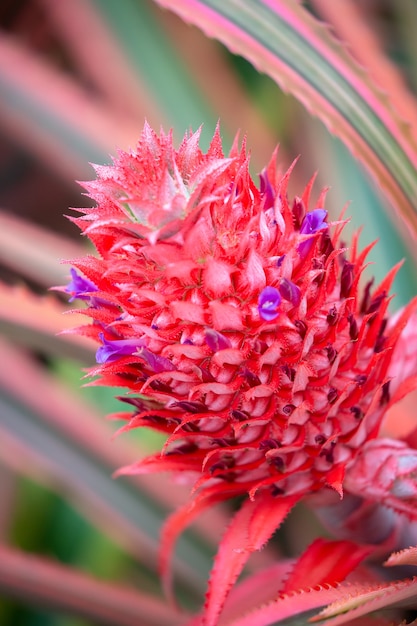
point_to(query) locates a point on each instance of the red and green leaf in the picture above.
(280, 38)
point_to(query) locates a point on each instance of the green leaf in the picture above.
(146, 49)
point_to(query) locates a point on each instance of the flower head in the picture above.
(239, 319)
(226, 304)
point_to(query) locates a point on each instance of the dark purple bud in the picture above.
(225, 463)
(301, 327)
(79, 287)
(159, 385)
(269, 444)
(251, 378)
(191, 407)
(376, 302)
(353, 327)
(206, 377)
(138, 403)
(317, 264)
(326, 246)
(184, 448)
(331, 353)
(332, 395)
(266, 190)
(156, 419)
(383, 326)
(329, 456)
(320, 439)
(216, 341)
(280, 260)
(366, 296)
(113, 350)
(156, 362)
(289, 291)
(288, 371)
(357, 412)
(385, 396)
(361, 379)
(346, 280)
(278, 463)
(268, 303)
(332, 316)
(288, 409)
(190, 427)
(298, 211)
(380, 343)
(239, 416)
(223, 442)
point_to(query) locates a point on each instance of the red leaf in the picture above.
(325, 562)
(256, 590)
(249, 530)
(288, 606)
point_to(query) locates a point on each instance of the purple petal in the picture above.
(313, 222)
(268, 303)
(266, 190)
(79, 286)
(156, 363)
(289, 291)
(113, 350)
(216, 341)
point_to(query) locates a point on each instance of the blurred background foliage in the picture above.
(77, 80)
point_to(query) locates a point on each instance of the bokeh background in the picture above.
(77, 80)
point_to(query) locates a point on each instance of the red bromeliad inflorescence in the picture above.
(235, 319)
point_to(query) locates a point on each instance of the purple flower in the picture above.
(113, 350)
(79, 287)
(268, 303)
(313, 222)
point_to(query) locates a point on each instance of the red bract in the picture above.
(236, 321)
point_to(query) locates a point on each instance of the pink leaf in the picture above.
(408, 556)
(367, 600)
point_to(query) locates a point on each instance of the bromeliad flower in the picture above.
(238, 318)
